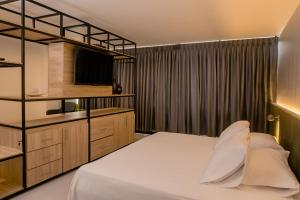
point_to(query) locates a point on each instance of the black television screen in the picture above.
(92, 68)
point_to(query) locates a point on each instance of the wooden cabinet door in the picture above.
(131, 126)
(75, 144)
(102, 127)
(47, 136)
(123, 138)
(125, 128)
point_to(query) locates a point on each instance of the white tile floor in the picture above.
(56, 189)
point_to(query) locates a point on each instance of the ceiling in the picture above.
(156, 22)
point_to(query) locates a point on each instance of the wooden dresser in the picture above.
(54, 149)
(110, 133)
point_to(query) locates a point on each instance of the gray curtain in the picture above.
(202, 88)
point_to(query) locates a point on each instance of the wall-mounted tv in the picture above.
(92, 67)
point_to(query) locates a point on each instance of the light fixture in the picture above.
(272, 118)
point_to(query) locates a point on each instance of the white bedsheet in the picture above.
(164, 166)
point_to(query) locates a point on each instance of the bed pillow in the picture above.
(269, 167)
(228, 158)
(231, 130)
(263, 140)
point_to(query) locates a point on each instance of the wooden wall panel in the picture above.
(288, 90)
(288, 131)
(61, 74)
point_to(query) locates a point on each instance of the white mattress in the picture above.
(164, 166)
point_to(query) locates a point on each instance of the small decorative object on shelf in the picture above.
(2, 59)
(119, 89)
(114, 87)
(35, 93)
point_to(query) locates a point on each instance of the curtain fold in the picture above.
(202, 88)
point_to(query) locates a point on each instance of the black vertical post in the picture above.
(23, 91)
(123, 46)
(63, 106)
(88, 34)
(108, 40)
(88, 113)
(61, 25)
(33, 22)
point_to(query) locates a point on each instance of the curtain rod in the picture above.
(199, 42)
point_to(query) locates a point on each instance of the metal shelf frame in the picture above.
(112, 44)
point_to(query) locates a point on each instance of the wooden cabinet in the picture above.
(44, 172)
(102, 127)
(103, 137)
(44, 156)
(110, 133)
(44, 153)
(102, 147)
(125, 131)
(75, 144)
(11, 137)
(131, 127)
(54, 149)
(39, 138)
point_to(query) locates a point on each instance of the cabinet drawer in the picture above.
(102, 127)
(43, 172)
(102, 147)
(44, 156)
(43, 137)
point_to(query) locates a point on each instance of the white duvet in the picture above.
(164, 166)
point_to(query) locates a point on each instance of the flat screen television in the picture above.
(92, 67)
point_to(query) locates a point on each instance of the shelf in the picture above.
(67, 117)
(8, 152)
(33, 35)
(11, 177)
(109, 111)
(54, 119)
(51, 98)
(8, 188)
(9, 64)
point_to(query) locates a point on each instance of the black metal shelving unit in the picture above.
(64, 28)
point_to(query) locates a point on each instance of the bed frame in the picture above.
(288, 130)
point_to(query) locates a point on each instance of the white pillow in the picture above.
(231, 130)
(228, 158)
(269, 167)
(263, 140)
(234, 180)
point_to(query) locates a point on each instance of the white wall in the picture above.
(10, 78)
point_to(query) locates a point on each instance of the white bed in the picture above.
(164, 166)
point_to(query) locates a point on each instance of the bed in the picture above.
(164, 166)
